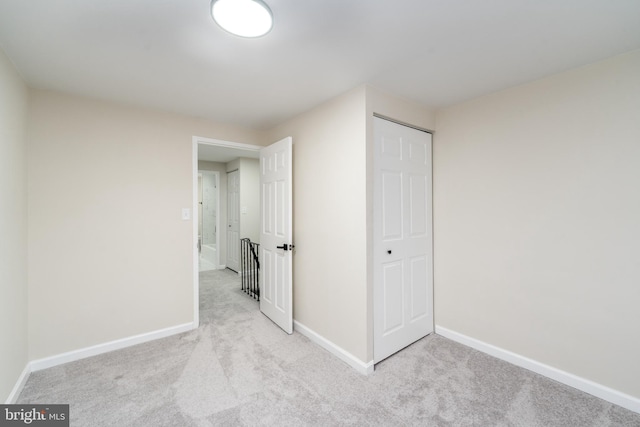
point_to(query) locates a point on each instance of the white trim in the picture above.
(194, 243)
(401, 123)
(603, 392)
(71, 356)
(17, 389)
(339, 352)
(227, 144)
(195, 141)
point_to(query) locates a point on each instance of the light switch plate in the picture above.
(186, 214)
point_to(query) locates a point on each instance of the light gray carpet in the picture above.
(238, 368)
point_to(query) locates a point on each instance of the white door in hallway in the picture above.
(233, 221)
(276, 233)
(402, 241)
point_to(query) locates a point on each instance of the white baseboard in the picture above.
(17, 389)
(59, 359)
(339, 352)
(588, 386)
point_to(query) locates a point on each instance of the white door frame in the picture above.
(199, 140)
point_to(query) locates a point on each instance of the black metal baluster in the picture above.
(255, 281)
(257, 271)
(246, 266)
(250, 268)
(242, 262)
(253, 289)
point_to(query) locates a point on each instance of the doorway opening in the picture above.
(212, 159)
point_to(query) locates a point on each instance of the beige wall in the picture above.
(329, 210)
(403, 111)
(109, 255)
(537, 231)
(13, 226)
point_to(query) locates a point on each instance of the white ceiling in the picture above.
(169, 54)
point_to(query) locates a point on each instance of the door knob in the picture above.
(284, 246)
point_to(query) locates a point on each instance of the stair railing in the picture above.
(250, 268)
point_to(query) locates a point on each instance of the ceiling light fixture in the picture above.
(244, 18)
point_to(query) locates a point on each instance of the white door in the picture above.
(233, 219)
(402, 243)
(276, 233)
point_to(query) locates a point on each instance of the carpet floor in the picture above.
(239, 369)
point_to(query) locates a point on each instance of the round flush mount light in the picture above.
(244, 18)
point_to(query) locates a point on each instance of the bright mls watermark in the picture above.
(34, 415)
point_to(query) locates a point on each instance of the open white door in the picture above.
(276, 233)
